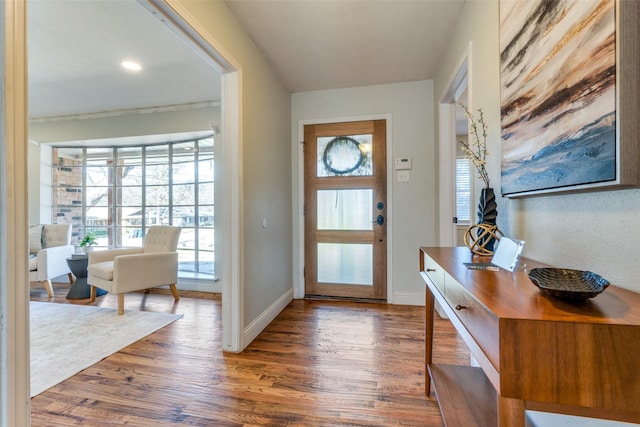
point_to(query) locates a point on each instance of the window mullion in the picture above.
(115, 220)
(85, 171)
(143, 183)
(196, 207)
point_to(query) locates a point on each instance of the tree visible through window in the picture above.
(118, 192)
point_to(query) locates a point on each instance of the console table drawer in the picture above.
(480, 322)
(435, 272)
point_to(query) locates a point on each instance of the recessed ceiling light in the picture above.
(130, 65)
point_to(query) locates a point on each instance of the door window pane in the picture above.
(345, 156)
(345, 263)
(345, 209)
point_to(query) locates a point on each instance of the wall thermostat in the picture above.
(402, 163)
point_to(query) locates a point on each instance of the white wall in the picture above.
(46, 185)
(266, 163)
(33, 165)
(134, 124)
(40, 185)
(594, 231)
(411, 220)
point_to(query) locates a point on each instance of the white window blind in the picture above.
(463, 190)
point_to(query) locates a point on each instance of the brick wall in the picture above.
(67, 195)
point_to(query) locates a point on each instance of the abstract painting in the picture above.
(558, 95)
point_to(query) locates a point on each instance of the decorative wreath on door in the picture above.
(339, 148)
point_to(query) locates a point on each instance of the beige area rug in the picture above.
(67, 338)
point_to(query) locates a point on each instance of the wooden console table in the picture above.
(535, 352)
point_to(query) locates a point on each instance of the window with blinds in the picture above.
(463, 190)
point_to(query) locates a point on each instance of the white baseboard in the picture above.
(262, 321)
(199, 285)
(408, 298)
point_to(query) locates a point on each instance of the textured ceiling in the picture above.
(75, 48)
(335, 44)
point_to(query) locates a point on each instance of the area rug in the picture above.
(67, 338)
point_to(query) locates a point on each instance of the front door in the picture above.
(345, 210)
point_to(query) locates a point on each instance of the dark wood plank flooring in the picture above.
(319, 363)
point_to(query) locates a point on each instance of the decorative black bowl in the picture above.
(568, 284)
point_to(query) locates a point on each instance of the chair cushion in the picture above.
(102, 270)
(56, 235)
(33, 262)
(35, 239)
(161, 238)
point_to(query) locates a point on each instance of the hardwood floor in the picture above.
(319, 363)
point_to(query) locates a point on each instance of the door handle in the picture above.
(379, 220)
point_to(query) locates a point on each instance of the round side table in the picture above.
(80, 288)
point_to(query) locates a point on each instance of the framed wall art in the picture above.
(569, 81)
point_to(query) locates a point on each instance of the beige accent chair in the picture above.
(134, 269)
(49, 247)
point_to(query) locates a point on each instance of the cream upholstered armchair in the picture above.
(133, 269)
(49, 247)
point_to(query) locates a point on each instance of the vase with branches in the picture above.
(475, 150)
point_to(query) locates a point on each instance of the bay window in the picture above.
(117, 192)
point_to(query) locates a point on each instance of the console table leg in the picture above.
(511, 412)
(428, 333)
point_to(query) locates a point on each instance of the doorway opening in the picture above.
(14, 392)
(455, 195)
